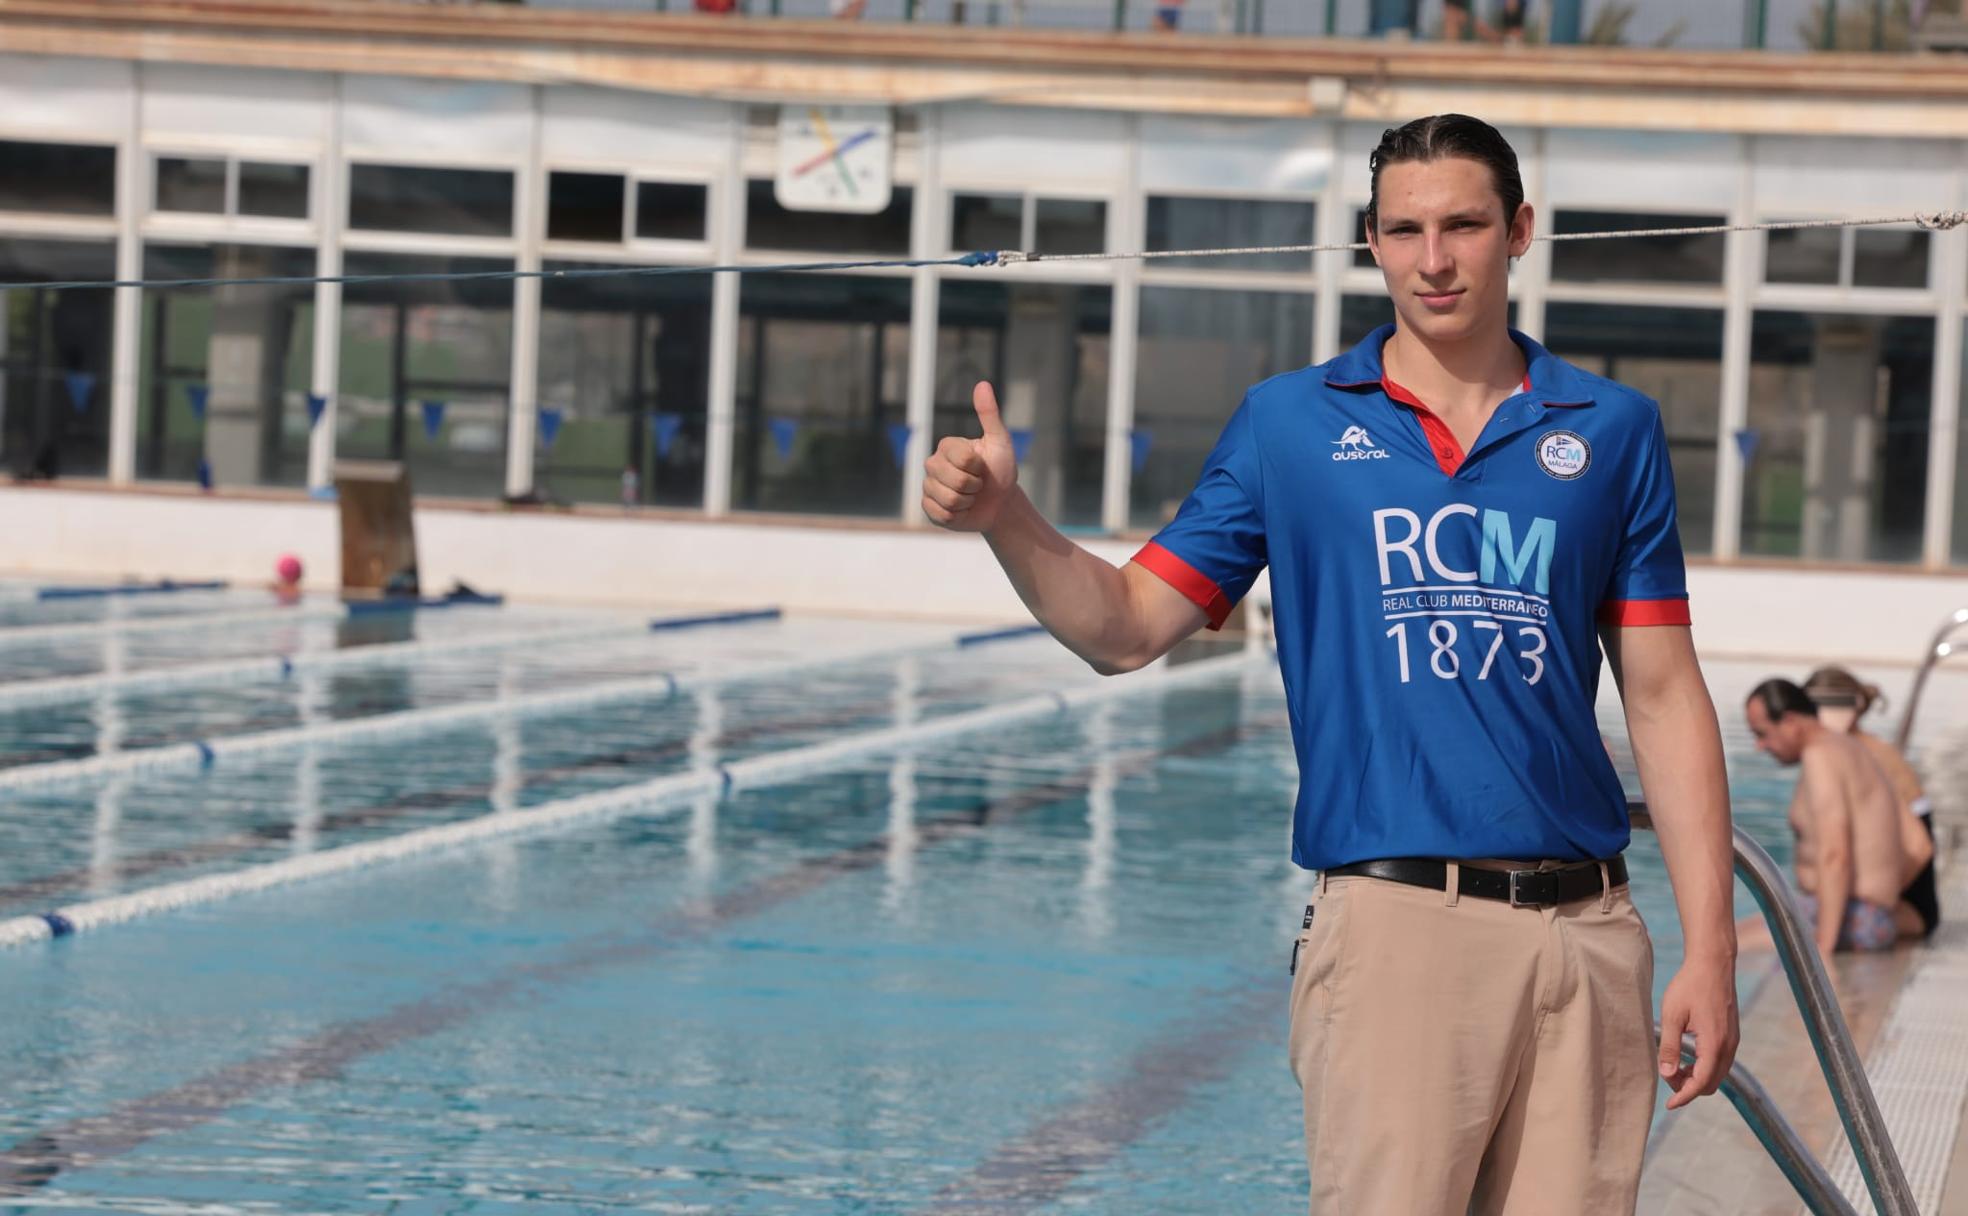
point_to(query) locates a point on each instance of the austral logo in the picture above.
(1354, 445)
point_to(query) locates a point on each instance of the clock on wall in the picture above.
(834, 158)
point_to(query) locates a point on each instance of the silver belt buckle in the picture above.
(1536, 898)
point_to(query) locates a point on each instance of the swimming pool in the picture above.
(1035, 967)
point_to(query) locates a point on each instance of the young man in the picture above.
(1851, 861)
(1470, 1006)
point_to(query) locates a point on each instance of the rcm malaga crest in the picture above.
(1563, 454)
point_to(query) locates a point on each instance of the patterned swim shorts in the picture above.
(1867, 926)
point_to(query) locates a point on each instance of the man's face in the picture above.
(1443, 246)
(1777, 738)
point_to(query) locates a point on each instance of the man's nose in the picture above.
(1435, 259)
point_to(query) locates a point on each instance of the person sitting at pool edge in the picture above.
(1850, 864)
(1459, 526)
(1842, 700)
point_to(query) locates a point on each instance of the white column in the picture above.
(1334, 225)
(1742, 266)
(1533, 273)
(1950, 251)
(330, 205)
(727, 239)
(930, 225)
(126, 323)
(1125, 231)
(522, 419)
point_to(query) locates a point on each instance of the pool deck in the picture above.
(1704, 1160)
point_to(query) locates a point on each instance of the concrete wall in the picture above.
(1814, 613)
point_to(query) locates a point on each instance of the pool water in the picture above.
(1040, 967)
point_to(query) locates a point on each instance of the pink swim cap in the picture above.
(288, 568)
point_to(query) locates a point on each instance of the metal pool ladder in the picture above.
(1940, 648)
(1851, 1092)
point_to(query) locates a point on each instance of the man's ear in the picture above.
(1522, 229)
(1373, 239)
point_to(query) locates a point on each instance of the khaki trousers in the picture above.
(1461, 1055)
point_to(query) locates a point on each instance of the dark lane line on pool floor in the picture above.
(1035, 1168)
(245, 841)
(38, 1159)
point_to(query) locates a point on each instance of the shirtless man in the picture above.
(1850, 861)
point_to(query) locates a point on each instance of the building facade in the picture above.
(1811, 380)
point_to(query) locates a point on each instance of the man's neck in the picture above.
(1466, 373)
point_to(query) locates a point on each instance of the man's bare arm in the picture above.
(1831, 838)
(1116, 619)
(1678, 748)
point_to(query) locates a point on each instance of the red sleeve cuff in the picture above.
(1185, 578)
(1645, 612)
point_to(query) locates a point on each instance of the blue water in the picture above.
(872, 990)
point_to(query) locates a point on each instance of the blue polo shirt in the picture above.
(1437, 610)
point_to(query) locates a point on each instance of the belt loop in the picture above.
(1452, 887)
(1605, 889)
(1322, 882)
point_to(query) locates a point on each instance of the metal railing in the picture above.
(1851, 1091)
(1939, 648)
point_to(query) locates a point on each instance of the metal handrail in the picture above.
(1851, 1090)
(1778, 1137)
(1937, 649)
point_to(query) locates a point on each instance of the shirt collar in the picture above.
(1553, 381)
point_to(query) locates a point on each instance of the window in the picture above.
(217, 186)
(1003, 221)
(54, 359)
(626, 361)
(185, 184)
(1650, 259)
(224, 372)
(1803, 255)
(1208, 223)
(456, 202)
(425, 372)
(275, 191)
(670, 211)
(585, 206)
(1847, 257)
(1673, 355)
(1889, 257)
(770, 226)
(987, 221)
(68, 179)
(822, 377)
(1362, 258)
(1070, 225)
(1200, 349)
(1836, 446)
(1044, 347)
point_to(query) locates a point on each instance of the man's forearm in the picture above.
(1080, 599)
(1678, 748)
(1834, 891)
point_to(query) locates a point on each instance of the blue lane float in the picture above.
(999, 635)
(161, 587)
(410, 603)
(715, 618)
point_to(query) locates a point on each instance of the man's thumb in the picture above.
(986, 403)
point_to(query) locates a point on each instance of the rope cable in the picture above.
(1933, 221)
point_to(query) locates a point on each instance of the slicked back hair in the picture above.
(1438, 137)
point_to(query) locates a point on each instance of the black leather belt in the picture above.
(1518, 888)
